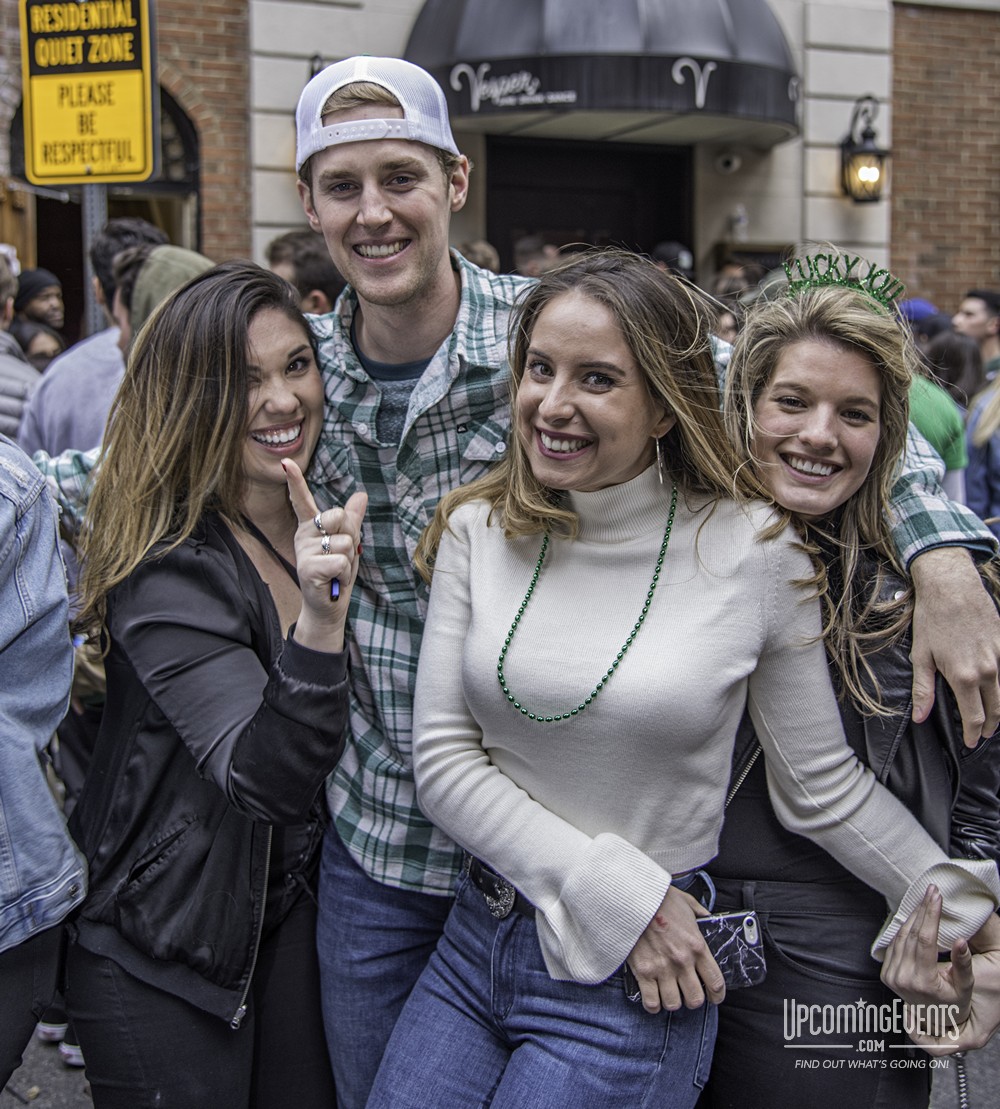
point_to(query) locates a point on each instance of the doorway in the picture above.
(600, 193)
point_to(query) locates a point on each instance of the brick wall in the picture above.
(10, 75)
(203, 59)
(946, 151)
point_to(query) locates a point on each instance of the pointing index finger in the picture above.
(354, 514)
(298, 492)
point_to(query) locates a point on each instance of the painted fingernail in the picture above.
(335, 590)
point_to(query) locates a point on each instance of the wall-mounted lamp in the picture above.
(316, 65)
(862, 163)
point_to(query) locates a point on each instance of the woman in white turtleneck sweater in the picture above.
(587, 659)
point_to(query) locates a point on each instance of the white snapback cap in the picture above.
(425, 111)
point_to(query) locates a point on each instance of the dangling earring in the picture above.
(659, 460)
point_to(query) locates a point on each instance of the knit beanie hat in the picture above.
(30, 283)
(166, 269)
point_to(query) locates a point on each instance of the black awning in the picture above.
(680, 71)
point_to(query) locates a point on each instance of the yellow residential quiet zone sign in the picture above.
(89, 88)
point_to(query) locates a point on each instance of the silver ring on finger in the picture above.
(325, 544)
(318, 521)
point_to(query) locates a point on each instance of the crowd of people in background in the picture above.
(959, 351)
(315, 855)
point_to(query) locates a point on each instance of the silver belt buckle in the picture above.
(501, 905)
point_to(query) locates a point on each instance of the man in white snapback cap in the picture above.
(414, 358)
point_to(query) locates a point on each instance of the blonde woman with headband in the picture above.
(816, 403)
(603, 607)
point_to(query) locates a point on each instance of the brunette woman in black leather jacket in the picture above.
(192, 978)
(817, 398)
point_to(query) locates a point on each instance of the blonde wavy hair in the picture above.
(666, 324)
(173, 449)
(855, 621)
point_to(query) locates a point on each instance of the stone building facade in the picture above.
(233, 69)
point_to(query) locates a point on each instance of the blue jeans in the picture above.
(373, 942)
(487, 1026)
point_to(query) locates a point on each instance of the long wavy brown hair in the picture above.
(173, 449)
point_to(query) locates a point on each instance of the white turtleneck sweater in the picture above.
(588, 817)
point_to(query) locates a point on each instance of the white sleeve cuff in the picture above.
(970, 891)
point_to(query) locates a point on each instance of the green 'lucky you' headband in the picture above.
(818, 270)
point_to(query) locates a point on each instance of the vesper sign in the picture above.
(90, 94)
(511, 90)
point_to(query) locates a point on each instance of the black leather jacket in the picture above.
(214, 731)
(953, 790)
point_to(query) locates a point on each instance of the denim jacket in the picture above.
(42, 875)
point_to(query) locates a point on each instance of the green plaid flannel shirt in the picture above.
(456, 427)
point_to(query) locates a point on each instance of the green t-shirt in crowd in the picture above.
(939, 420)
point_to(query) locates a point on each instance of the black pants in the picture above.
(816, 942)
(147, 1048)
(28, 975)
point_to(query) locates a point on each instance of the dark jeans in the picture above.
(147, 1048)
(28, 975)
(816, 942)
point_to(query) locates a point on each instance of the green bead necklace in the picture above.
(606, 676)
